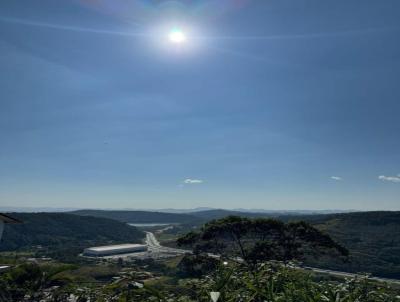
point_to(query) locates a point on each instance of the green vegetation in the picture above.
(220, 213)
(242, 265)
(373, 239)
(63, 236)
(30, 279)
(232, 281)
(140, 216)
(274, 282)
(260, 239)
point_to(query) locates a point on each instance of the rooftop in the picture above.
(113, 247)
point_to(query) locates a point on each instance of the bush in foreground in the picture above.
(234, 282)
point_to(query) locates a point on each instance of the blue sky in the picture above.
(268, 104)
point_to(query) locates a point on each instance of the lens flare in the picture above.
(176, 36)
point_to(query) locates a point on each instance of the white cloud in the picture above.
(337, 178)
(190, 181)
(390, 178)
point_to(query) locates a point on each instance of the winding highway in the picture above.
(154, 246)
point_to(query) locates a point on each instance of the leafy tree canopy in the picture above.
(261, 239)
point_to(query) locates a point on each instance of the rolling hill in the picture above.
(373, 239)
(209, 214)
(60, 230)
(140, 216)
(220, 213)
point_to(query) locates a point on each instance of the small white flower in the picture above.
(138, 285)
(215, 296)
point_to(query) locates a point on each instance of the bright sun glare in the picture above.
(177, 36)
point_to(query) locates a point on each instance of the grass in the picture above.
(173, 262)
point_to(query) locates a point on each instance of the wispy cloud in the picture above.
(390, 178)
(190, 181)
(70, 28)
(337, 178)
(314, 35)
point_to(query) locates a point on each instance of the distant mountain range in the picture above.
(169, 215)
(9, 209)
(171, 210)
(220, 213)
(195, 216)
(141, 216)
(244, 210)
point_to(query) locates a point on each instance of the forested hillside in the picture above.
(373, 239)
(221, 213)
(139, 216)
(63, 230)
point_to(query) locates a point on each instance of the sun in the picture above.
(177, 36)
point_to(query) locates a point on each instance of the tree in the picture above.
(195, 266)
(255, 240)
(31, 280)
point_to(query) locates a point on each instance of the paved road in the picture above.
(152, 241)
(154, 246)
(348, 275)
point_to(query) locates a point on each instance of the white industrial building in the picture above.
(110, 250)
